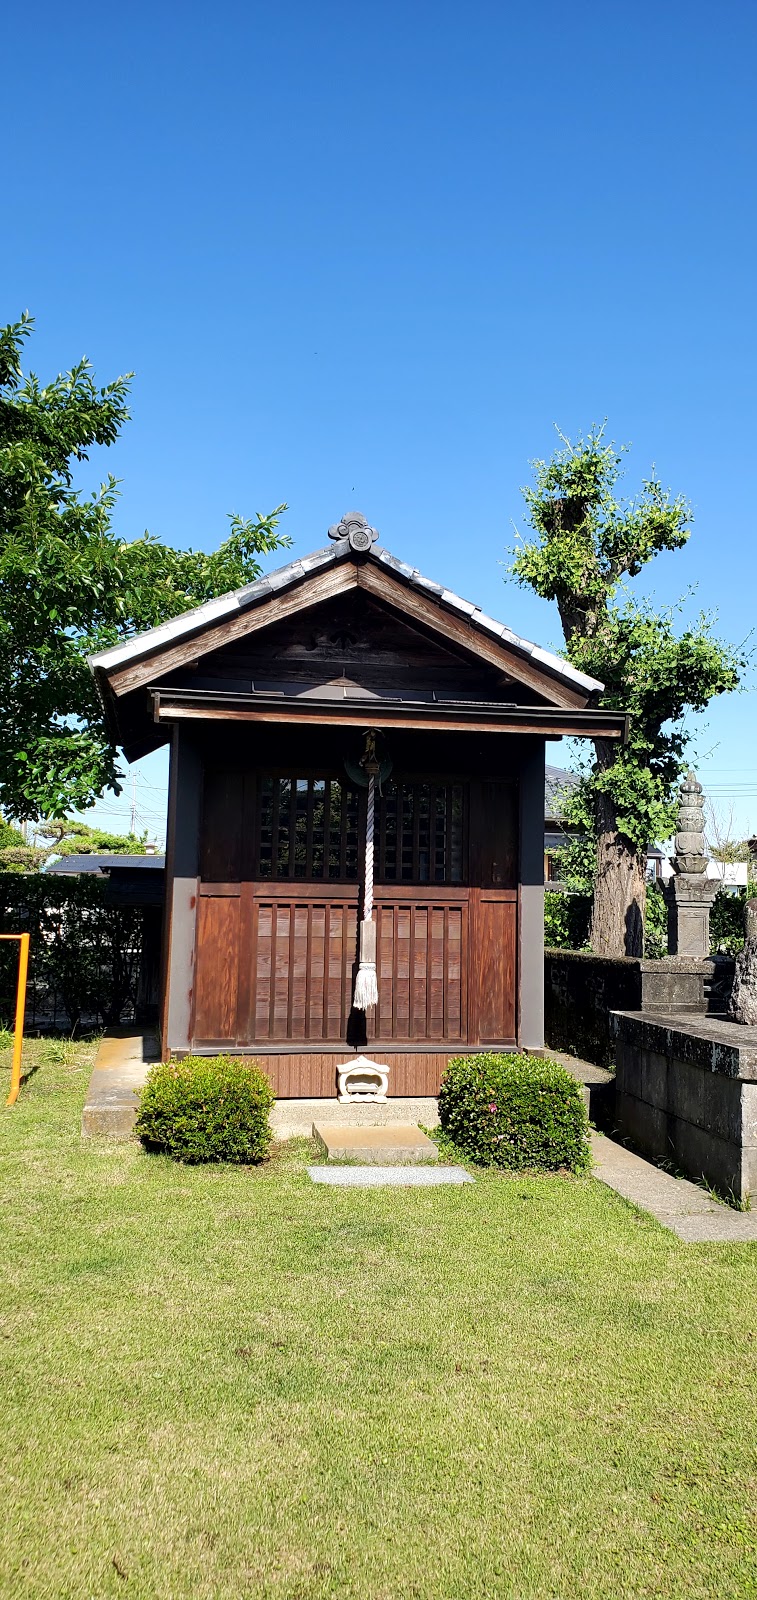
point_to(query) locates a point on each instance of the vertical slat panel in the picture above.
(437, 917)
(316, 968)
(298, 950)
(246, 960)
(454, 1021)
(334, 972)
(326, 950)
(309, 914)
(280, 985)
(263, 972)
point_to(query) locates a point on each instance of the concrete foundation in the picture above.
(582, 990)
(686, 1092)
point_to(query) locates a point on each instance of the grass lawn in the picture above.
(222, 1383)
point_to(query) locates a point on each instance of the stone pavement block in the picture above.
(375, 1177)
(395, 1145)
(735, 1227)
(684, 1208)
(121, 1067)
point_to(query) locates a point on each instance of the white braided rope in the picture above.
(369, 829)
(366, 982)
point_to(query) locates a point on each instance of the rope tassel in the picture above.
(366, 982)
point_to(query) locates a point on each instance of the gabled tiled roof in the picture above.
(295, 572)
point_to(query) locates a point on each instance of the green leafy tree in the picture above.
(65, 837)
(10, 838)
(69, 585)
(586, 545)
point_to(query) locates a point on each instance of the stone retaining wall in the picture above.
(686, 1092)
(582, 990)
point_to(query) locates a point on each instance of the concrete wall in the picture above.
(686, 1092)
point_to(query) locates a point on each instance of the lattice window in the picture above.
(307, 829)
(310, 829)
(421, 833)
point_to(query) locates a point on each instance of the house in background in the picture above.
(733, 875)
(266, 696)
(556, 835)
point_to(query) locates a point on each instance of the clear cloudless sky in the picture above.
(368, 255)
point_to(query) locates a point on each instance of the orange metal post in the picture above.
(18, 1036)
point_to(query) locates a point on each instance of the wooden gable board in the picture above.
(448, 624)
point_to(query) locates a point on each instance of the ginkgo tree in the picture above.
(71, 585)
(586, 544)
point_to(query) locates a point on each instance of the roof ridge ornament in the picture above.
(355, 528)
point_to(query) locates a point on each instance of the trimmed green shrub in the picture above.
(207, 1108)
(515, 1111)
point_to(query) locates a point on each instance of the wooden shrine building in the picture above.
(266, 696)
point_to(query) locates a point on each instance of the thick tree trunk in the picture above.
(617, 924)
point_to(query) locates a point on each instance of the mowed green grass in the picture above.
(222, 1383)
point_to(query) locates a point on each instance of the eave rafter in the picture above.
(177, 705)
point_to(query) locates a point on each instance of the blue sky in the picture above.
(368, 255)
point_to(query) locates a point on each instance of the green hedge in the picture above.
(728, 920)
(515, 1111)
(84, 954)
(207, 1108)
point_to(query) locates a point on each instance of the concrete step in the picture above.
(293, 1119)
(394, 1145)
(596, 1084)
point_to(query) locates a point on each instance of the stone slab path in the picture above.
(375, 1177)
(121, 1066)
(683, 1207)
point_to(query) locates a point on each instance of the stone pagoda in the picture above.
(689, 895)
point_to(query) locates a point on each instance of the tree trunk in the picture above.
(620, 892)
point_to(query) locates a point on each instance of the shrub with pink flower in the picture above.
(515, 1111)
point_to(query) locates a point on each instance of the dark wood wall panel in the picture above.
(311, 1076)
(275, 958)
(216, 970)
(304, 951)
(493, 957)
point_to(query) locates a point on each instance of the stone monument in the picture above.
(743, 1002)
(689, 895)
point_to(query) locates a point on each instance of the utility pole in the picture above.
(133, 823)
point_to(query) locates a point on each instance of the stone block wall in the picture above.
(686, 1092)
(582, 990)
